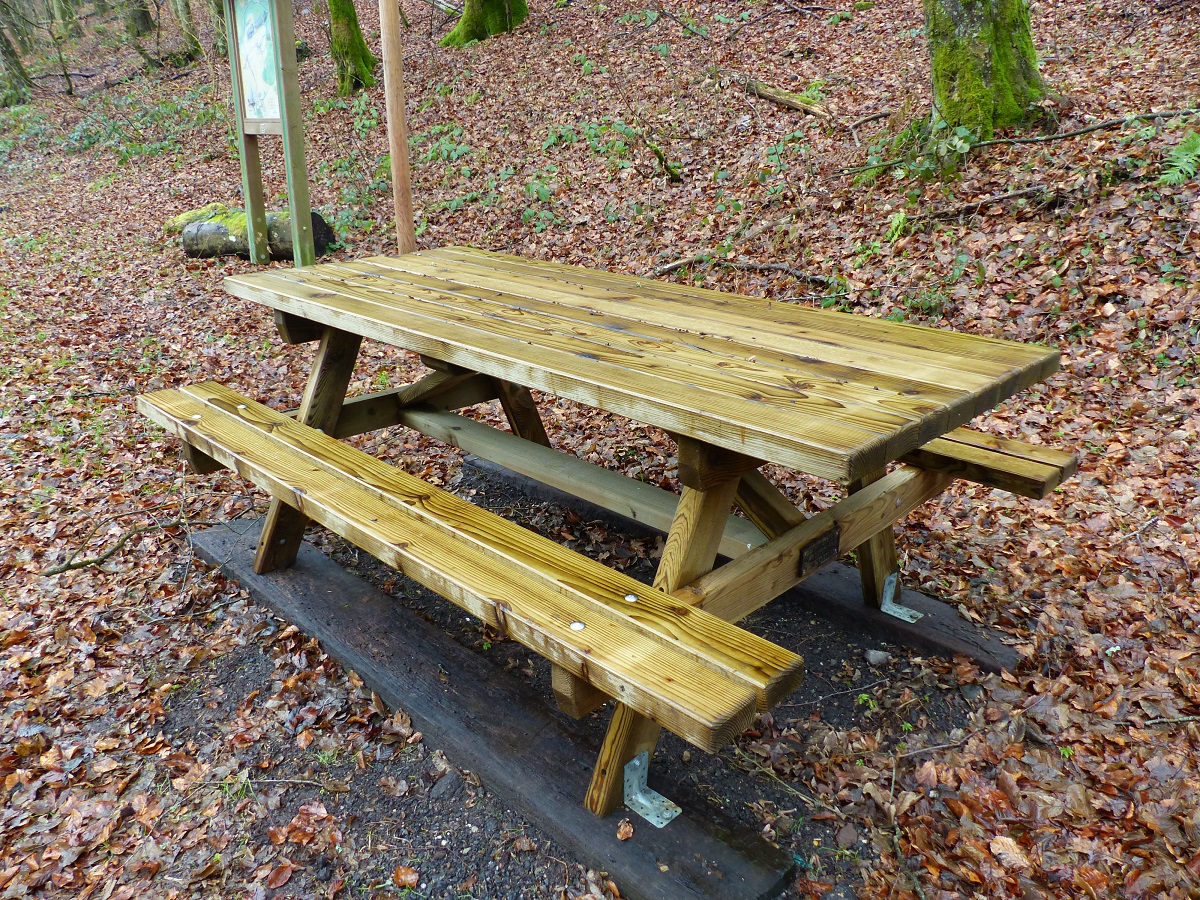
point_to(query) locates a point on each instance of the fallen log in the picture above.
(218, 230)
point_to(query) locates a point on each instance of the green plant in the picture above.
(559, 134)
(1182, 162)
(897, 227)
(842, 15)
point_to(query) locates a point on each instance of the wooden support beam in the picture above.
(613, 491)
(749, 582)
(284, 527)
(297, 329)
(877, 554)
(765, 506)
(691, 550)
(522, 412)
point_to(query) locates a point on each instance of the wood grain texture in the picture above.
(834, 395)
(320, 408)
(708, 405)
(461, 530)
(1013, 466)
(754, 579)
(628, 497)
(877, 554)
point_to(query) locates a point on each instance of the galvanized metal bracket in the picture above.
(888, 604)
(643, 800)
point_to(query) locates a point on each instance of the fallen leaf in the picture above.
(405, 877)
(624, 830)
(281, 874)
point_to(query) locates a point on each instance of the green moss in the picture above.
(353, 60)
(234, 221)
(183, 220)
(483, 18)
(984, 64)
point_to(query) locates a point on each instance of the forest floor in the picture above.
(162, 736)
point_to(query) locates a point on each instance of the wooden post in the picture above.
(397, 124)
(711, 477)
(252, 189)
(293, 132)
(876, 555)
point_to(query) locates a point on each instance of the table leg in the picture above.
(770, 511)
(320, 408)
(876, 555)
(690, 551)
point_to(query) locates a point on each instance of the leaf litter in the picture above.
(163, 736)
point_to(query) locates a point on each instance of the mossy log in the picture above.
(985, 73)
(217, 230)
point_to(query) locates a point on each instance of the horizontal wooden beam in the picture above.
(609, 490)
(1013, 466)
(757, 577)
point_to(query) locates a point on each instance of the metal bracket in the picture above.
(888, 604)
(643, 800)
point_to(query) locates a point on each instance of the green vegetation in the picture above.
(1182, 161)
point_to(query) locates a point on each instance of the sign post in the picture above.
(266, 99)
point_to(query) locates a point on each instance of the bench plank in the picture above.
(456, 528)
(1014, 466)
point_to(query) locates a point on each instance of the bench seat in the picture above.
(691, 672)
(1013, 466)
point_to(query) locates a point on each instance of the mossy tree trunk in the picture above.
(64, 14)
(16, 86)
(216, 15)
(353, 60)
(138, 20)
(483, 18)
(985, 73)
(187, 24)
(18, 24)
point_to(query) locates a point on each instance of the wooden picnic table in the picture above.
(738, 382)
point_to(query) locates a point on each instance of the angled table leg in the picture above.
(690, 552)
(877, 554)
(322, 404)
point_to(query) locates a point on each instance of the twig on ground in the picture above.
(684, 25)
(774, 267)
(704, 255)
(71, 562)
(911, 753)
(853, 690)
(1039, 139)
(866, 120)
(976, 205)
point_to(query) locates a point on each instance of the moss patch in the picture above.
(483, 18)
(984, 64)
(183, 220)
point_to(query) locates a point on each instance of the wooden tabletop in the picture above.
(832, 394)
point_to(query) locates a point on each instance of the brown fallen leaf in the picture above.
(523, 845)
(624, 830)
(393, 787)
(335, 786)
(405, 877)
(281, 874)
(208, 870)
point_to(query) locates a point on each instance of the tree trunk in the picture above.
(187, 24)
(18, 24)
(138, 20)
(353, 60)
(64, 15)
(985, 73)
(483, 18)
(16, 87)
(216, 15)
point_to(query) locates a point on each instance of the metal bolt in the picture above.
(577, 626)
(631, 598)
